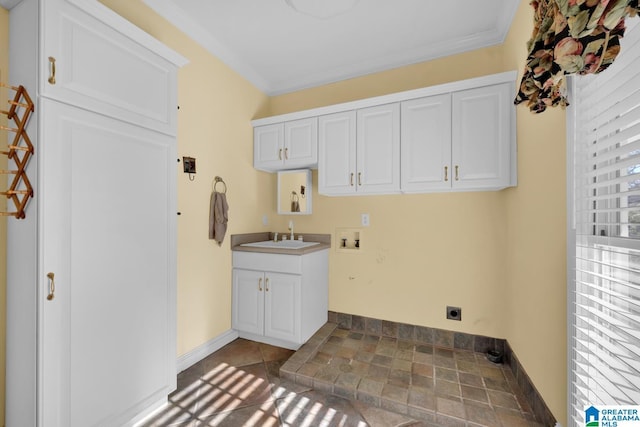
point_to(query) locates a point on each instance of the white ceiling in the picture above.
(280, 50)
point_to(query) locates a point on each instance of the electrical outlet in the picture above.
(365, 219)
(454, 313)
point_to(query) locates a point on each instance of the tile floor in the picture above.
(341, 378)
(239, 385)
(439, 386)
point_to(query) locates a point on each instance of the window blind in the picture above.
(604, 294)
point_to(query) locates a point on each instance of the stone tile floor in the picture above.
(239, 385)
(438, 386)
(342, 379)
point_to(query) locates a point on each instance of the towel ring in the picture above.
(215, 184)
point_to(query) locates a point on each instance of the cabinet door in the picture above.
(268, 147)
(378, 149)
(108, 235)
(88, 52)
(248, 301)
(282, 306)
(337, 159)
(481, 139)
(426, 144)
(301, 143)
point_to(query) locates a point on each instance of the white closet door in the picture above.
(108, 235)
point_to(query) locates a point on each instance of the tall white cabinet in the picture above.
(99, 235)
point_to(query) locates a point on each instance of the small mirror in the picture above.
(294, 192)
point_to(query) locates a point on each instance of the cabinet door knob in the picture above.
(360, 179)
(266, 282)
(260, 284)
(286, 153)
(52, 286)
(351, 180)
(456, 172)
(52, 70)
(280, 154)
(446, 173)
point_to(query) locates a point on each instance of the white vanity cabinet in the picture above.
(279, 299)
(288, 145)
(91, 270)
(459, 141)
(360, 151)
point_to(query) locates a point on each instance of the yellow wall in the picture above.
(4, 66)
(216, 106)
(498, 255)
(421, 252)
(536, 238)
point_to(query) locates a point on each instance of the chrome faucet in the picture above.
(291, 228)
(275, 237)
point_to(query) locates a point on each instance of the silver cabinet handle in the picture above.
(351, 180)
(286, 154)
(456, 172)
(280, 154)
(266, 288)
(446, 173)
(360, 179)
(260, 284)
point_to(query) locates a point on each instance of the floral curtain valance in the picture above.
(570, 36)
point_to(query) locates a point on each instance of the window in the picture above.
(604, 236)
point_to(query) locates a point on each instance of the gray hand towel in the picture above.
(218, 217)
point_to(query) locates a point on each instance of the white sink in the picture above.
(282, 244)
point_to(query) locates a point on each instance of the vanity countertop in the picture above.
(238, 239)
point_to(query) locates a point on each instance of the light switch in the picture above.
(365, 219)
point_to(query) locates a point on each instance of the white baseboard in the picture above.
(205, 349)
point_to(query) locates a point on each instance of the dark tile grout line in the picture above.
(395, 399)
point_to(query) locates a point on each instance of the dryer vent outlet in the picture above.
(454, 313)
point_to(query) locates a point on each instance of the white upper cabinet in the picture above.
(378, 149)
(482, 136)
(337, 159)
(458, 136)
(268, 144)
(85, 46)
(360, 151)
(460, 141)
(289, 145)
(426, 144)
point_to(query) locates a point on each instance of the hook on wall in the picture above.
(189, 166)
